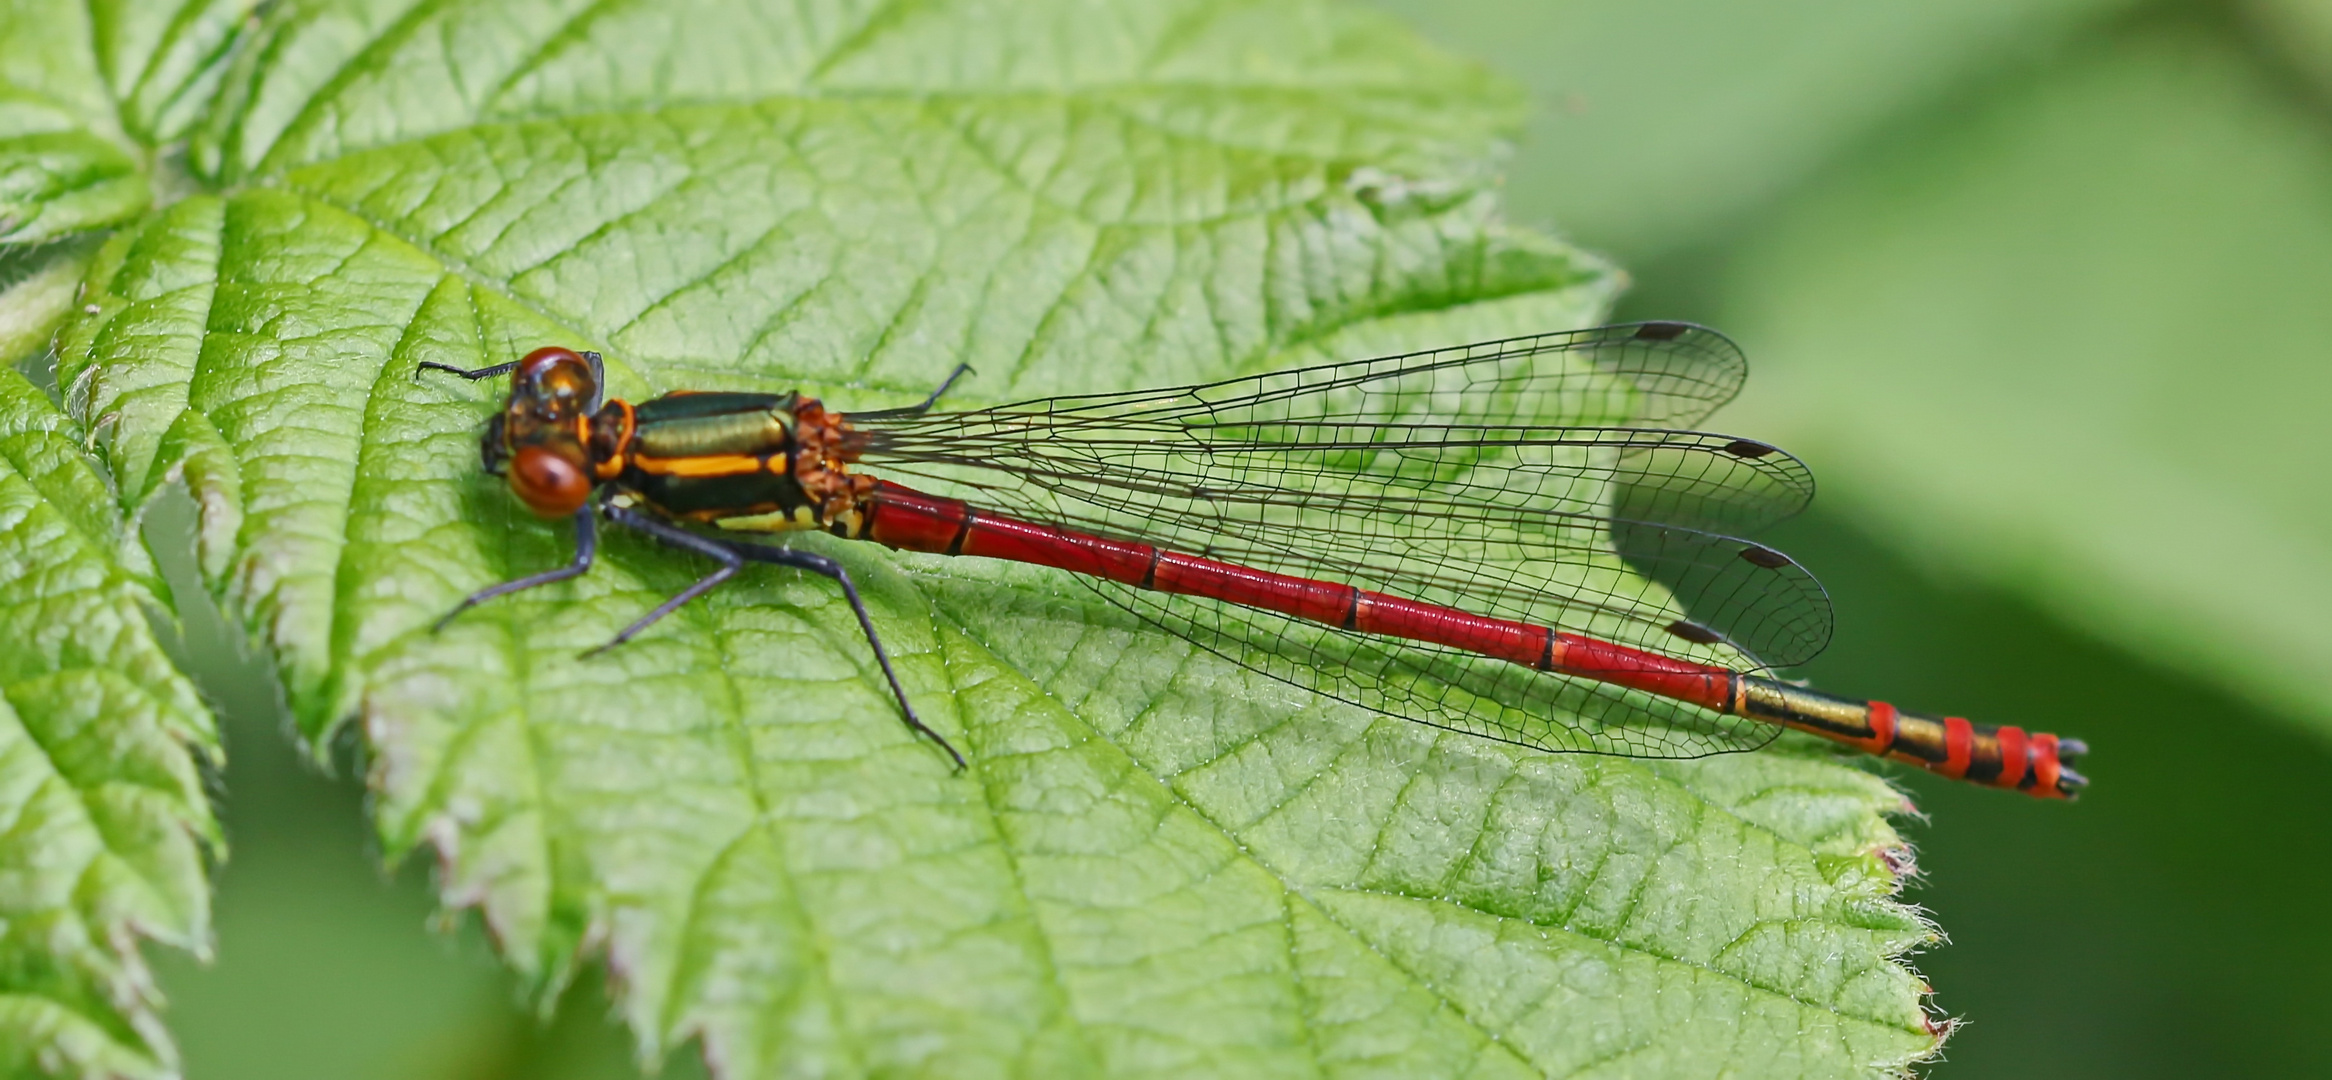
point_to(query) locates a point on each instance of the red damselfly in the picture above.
(1403, 533)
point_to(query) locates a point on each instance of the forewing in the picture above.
(1432, 477)
(1649, 374)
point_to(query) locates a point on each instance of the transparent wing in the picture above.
(1434, 477)
(1647, 374)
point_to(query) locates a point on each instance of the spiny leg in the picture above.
(473, 376)
(586, 546)
(820, 564)
(960, 371)
(680, 538)
(598, 374)
(732, 554)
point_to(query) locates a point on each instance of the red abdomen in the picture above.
(904, 518)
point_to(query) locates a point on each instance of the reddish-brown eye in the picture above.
(542, 360)
(557, 380)
(548, 484)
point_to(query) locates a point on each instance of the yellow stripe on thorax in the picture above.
(795, 520)
(698, 465)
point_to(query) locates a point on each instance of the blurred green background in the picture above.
(2040, 290)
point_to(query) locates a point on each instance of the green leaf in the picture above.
(38, 285)
(2067, 338)
(87, 94)
(105, 819)
(1156, 863)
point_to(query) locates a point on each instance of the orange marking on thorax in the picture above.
(613, 450)
(703, 465)
(817, 463)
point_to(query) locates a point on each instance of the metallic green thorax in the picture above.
(719, 458)
(715, 424)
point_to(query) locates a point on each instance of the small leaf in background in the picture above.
(1157, 864)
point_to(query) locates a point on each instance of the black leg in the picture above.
(960, 371)
(473, 376)
(679, 538)
(586, 545)
(733, 554)
(598, 375)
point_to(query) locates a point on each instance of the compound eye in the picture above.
(554, 374)
(541, 361)
(549, 485)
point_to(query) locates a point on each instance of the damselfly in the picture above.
(1403, 533)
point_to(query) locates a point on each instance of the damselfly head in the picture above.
(539, 440)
